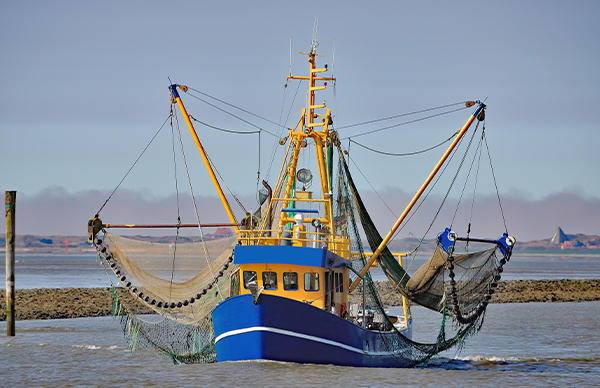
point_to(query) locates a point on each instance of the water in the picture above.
(525, 345)
(59, 271)
(534, 344)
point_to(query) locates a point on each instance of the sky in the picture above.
(84, 87)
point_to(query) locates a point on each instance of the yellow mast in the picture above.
(308, 128)
(437, 167)
(209, 168)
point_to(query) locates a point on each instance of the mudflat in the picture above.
(522, 291)
(51, 303)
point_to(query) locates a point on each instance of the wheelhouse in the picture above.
(315, 276)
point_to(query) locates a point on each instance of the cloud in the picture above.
(54, 211)
(527, 219)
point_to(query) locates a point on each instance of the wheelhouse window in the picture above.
(269, 280)
(249, 277)
(290, 281)
(311, 281)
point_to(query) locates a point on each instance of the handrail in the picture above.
(168, 226)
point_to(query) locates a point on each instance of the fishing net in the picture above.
(178, 275)
(458, 288)
(182, 282)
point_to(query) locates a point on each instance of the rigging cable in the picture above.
(404, 123)
(178, 212)
(404, 154)
(373, 188)
(238, 133)
(131, 168)
(279, 126)
(466, 181)
(231, 114)
(225, 130)
(431, 189)
(455, 176)
(401, 115)
(495, 184)
(225, 183)
(208, 261)
(480, 149)
(282, 127)
(258, 172)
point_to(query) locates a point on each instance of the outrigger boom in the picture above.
(279, 290)
(478, 113)
(213, 177)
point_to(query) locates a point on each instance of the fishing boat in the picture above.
(294, 284)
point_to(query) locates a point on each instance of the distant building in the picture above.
(219, 233)
(559, 237)
(566, 245)
(223, 232)
(571, 244)
(593, 244)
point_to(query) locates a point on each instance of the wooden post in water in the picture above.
(10, 201)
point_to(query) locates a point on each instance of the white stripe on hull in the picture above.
(303, 336)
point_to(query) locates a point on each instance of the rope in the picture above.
(465, 185)
(212, 164)
(455, 175)
(495, 184)
(429, 192)
(404, 123)
(208, 261)
(225, 183)
(275, 141)
(240, 133)
(258, 171)
(479, 148)
(233, 106)
(401, 115)
(134, 163)
(282, 126)
(225, 130)
(178, 211)
(112, 286)
(404, 154)
(373, 188)
(232, 115)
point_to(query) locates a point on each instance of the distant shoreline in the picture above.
(560, 253)
(52, 251)
(53, 244)
(92, 252)
(57, 303)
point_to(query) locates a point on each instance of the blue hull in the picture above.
(282, 329)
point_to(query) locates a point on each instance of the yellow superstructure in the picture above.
(325, 288)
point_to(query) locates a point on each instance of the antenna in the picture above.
(314, 44)
(290, 55)
(333, 59)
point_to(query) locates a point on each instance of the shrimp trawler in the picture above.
(293, 283)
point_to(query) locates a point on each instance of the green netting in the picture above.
(430, 287)
(182, 283)
(193, 279)
(189, 344)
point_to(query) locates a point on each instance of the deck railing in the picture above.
(337, 244)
